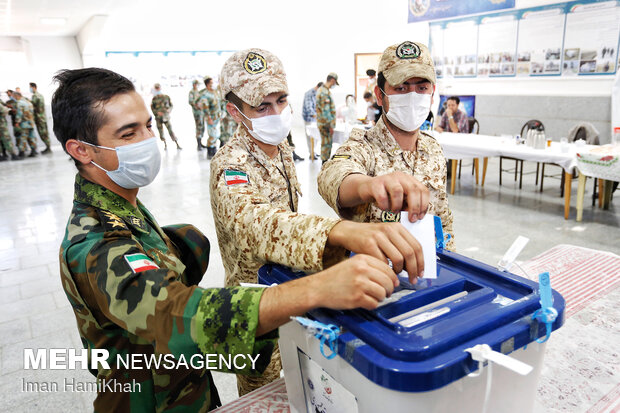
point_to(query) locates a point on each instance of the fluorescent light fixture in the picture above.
(53, 21)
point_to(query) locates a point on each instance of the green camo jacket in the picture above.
(131, 295)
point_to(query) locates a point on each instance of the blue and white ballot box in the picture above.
(471, 340)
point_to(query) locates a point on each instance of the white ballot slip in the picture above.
(424, 232)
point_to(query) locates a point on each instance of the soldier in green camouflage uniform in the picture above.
(11, 103)
(210, 105)
(5, 138)
(24, 124)
(255, 191)
(199, 119)
(227, 124)
(39, 117)
(388, 161)
(161, 107)
(326, 115)
(133, 284)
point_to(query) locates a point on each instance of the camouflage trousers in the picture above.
(199, 121)
(228, 126)
(25, 137)
(214, 134)
(246, 384)
(5, 139)
(160, 127)
(326, 130)
(41, 123)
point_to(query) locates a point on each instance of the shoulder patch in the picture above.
(341, 157)
(140, 262)
(112, 222)
(235, 177)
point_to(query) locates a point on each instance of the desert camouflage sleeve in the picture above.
(352, 157)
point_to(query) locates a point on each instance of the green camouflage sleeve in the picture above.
(267, 233)
(352, 157)
(155, 305)
(4, 110)
(154, 106)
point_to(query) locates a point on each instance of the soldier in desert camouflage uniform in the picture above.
(5, 138)
(209, 102)
(199, 120)
(133, 284)
(389, 167)
(326, 115)
(161, 105)
(24, 124)
(254, 193)
(39, 117)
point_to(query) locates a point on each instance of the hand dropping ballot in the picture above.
(424, 231)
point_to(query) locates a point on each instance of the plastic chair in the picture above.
(518, 169)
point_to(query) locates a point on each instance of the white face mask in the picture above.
(408, 111)
(272, 129)
(138, 163)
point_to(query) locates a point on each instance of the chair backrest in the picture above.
(532, 124)
(473, 122)
(585, 131)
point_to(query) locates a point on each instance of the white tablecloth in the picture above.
(465, 145)
(341, 132)
(601, 162)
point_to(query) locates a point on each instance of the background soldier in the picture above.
(209, 103)
(24, 124)
(227, 123)
(199, 120)
(161, 107)
(5, 138)
(326, 115)
(39, 117)
(11, 103)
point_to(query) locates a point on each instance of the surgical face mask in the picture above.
(156, 92)
(408, 111)
(31, 90)
(272, 129)
(138, 163)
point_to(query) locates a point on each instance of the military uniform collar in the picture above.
(255, 151)
(113, 205)
(387, 140)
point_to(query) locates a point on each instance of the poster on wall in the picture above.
(497, 45)
(539, 49)
(591, 38)
(424, 10)
(436, 48)
(460, 48)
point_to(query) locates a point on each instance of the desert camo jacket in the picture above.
(254, 203)
(376, 153)
(149, 310)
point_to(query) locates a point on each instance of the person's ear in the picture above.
(379, 96)
(234, 112)
(78, 151)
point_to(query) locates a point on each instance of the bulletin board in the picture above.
(578, 38)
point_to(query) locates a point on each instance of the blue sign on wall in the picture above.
(423, 10)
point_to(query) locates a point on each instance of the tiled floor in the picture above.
(35, 200)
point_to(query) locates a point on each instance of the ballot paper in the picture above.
(424, 231)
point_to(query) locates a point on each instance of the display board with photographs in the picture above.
(569, 39)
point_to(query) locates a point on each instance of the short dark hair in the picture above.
(367, 95)
(34, 85)
(235, 100)
(455, 99)
(381, 81)
(319, 84)
(207, 80)
(371, 72)
(77, 104)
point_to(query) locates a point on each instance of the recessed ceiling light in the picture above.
(53, 21)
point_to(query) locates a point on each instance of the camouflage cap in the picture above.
(157, 86)
(252, 74)
(406, 60)
(333, 76)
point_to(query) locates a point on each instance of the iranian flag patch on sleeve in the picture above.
(140, 262)
(236, 177)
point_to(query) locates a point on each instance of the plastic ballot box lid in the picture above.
(415, 341)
